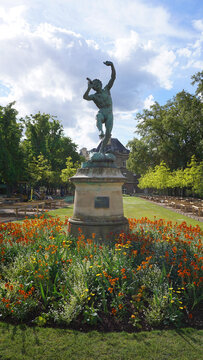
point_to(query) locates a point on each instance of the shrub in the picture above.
(150, 277)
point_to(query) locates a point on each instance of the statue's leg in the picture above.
(100, 118)
(109, 126)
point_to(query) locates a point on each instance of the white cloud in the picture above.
(49, 47)
(148, 102)
(124, 47)
(162, 66)
(184, 52)
(12, 22)
(198, 24)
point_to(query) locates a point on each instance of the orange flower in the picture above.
(166, 254)
(113, 311)
(174, 249)
(110, 289)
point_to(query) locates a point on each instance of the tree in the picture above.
(157, 178)
(11, 155)
(43, 133)
(45, 136)
(139, 159)
(161, 178)
(171, 133)
(193, 176)
(39, 171)
(69, 171)
(198, 78)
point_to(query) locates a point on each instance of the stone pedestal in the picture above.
(98, 205)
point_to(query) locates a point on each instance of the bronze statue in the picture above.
(102, 99)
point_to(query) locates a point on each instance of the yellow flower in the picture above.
(86, 290)
(165, 297)
(99, 274)
(180, 307)
(124, 253)
(172, 301)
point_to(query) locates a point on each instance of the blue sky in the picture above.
(49, 47)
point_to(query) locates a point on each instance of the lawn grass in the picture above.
(24, 343)
(135, 207)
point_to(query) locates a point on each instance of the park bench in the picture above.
(197, 210)
(10, 199)
(53, 203)
(25, 207)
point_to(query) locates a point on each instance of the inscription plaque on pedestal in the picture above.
(101, 202)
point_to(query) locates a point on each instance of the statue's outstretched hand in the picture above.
(89, 82)
(108, 63)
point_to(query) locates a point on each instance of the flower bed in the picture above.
(146, 279)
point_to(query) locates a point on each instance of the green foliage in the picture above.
(162, 178)
(70, 170)
(43, 133)
(171, 133)
(193, 175)
(40, 156)
(198, 78)
(47, 147)
(11, 157)
(39, 171)
(157, 178)
(140, 158)
(149, 277)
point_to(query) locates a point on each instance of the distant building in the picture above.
(122, 154)
(84, 153)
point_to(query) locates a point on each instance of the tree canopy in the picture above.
(198, 79)
(45, 142)
(11, 156)
(162, 178)
(40, 156)
(172, 133)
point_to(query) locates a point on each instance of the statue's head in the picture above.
(96, 84)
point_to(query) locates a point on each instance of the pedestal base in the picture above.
(98, 205)
(104, 232)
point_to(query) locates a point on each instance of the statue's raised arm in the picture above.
(102, 99)
(113, 74)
